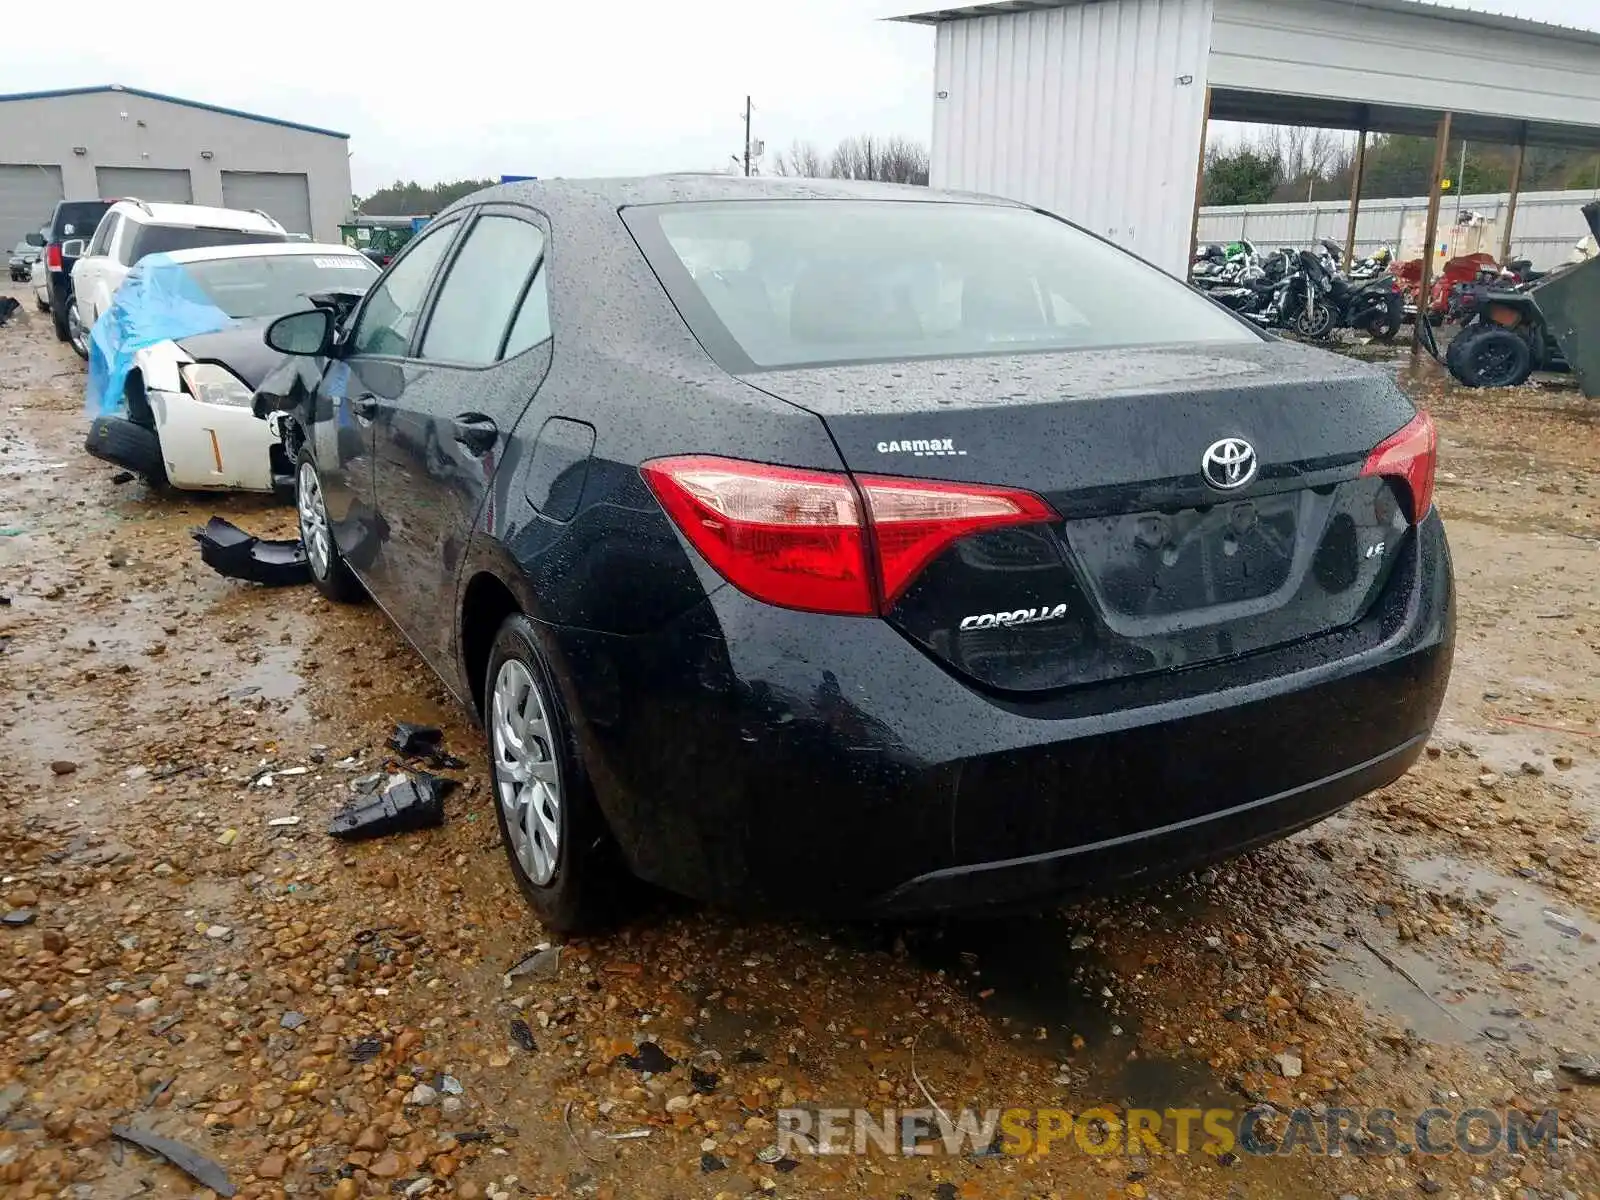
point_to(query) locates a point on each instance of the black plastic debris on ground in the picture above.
(522, 1035)
(704, 1082)
(204, 1171)
(416, 741)
(710, 1162)
(651, 1057)
(424, 742)
(416, 802)
(364, 1050)
(230, 551)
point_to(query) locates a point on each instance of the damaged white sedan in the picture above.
(175, 359)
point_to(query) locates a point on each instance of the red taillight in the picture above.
(52, 256)
(913, 520)
(1411, 454)
(788, 537)
(799, 539)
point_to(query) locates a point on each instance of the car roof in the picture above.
(199, 215)
(550, 195)
(266, 250)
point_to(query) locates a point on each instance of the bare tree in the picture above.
(801, 160)
(888, 160)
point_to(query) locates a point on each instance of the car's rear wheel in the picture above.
(60, 301)
(561, 852)
(41, 303)
(329, 571)
(77, 335)
(1488, 356)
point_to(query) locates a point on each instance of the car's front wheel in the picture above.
(561, 851)
(329, 571)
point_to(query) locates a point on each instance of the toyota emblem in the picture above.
(1229, 464)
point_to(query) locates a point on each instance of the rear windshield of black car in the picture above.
(163, 239)
(776, 283)
(77, 219)
(278, 283)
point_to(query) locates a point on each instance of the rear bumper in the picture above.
(762, 758)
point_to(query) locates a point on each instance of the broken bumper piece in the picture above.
(412, 803)
(229, 550)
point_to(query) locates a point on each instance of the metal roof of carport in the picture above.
(1390, 66)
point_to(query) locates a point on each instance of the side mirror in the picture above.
(72, 248)
(33, 239)
(307, 333)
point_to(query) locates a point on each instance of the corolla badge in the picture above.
(1229, 464)
(1022, 616)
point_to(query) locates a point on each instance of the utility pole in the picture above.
(747, 135)
(1461, 181)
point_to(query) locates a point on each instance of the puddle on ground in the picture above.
(1506, 747)
(22, 456)
(1538, 995)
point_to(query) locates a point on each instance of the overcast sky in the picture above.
(469, 89)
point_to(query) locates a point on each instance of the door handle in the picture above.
(365, 406)
(476, 432)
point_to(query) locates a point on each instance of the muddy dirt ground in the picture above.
(329, 1019)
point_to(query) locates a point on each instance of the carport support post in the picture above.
(1435, 198)
(1199, 188)
(1516, 188)
(1360, 173)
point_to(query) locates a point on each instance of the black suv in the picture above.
(71, 219)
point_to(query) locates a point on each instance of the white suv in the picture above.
(132, 229)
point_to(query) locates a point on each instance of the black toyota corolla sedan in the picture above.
(863, 549)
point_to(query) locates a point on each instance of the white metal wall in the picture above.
(1547, 225)
(1092, 111)
(1430, 62)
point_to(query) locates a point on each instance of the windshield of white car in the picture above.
(269, 285)
(164, 239)
(813, 282)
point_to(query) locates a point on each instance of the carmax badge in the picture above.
(1006, 620)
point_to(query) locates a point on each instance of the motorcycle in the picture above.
(1290, 291)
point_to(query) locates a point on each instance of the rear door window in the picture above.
(487, 279)
(101, 242)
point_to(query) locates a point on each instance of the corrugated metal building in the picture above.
(1096, 109)
(1548, 224)
(81, 143)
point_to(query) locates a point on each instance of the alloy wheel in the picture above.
(76, 335)
(527, 778)
(314, 533)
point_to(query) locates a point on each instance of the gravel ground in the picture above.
(320, 1018)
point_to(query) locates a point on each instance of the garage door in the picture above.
(283, 197)
(28, 196)
(145, 183)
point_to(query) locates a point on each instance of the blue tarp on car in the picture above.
(158, 301)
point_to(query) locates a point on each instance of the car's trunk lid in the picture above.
(1151, 567)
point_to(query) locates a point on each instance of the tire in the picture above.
(59, 303)
(1489, 356)
(577, 884)
(1385, 326)
(77, 335)
(329, 571)
(128, 445)
(1315, 322)
(41, 305)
